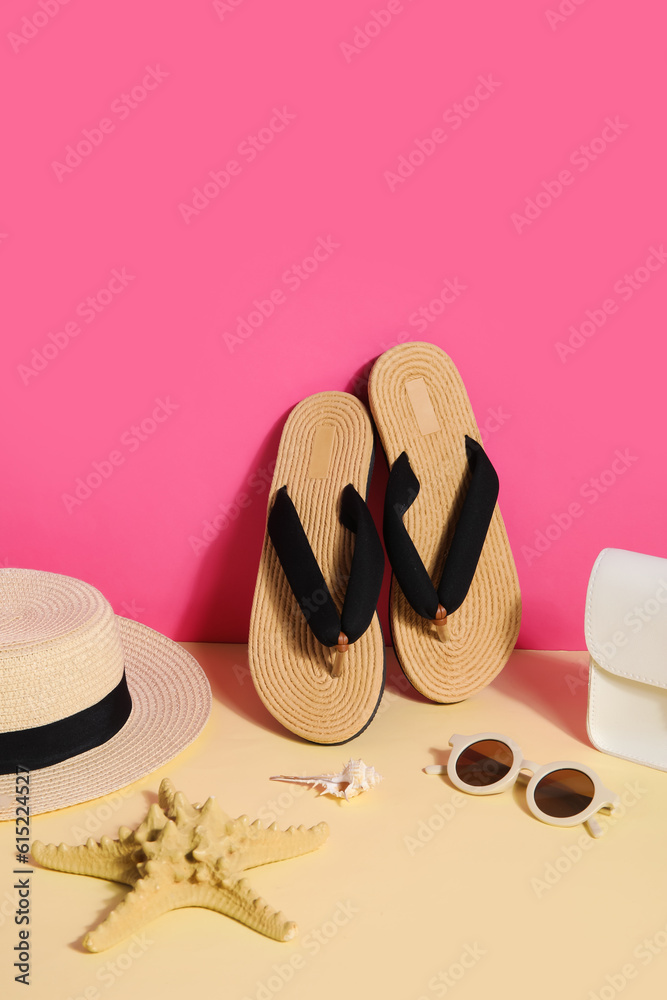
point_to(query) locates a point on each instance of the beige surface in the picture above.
(378, 914)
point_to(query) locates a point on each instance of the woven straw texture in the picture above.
(171, 697)
(60, 649)
(290, 668)
(482, 632)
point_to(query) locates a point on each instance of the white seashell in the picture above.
(356, 777)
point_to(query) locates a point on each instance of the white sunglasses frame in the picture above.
(604, 800)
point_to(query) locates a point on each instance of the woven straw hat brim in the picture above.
(483, 631)
(171, 701)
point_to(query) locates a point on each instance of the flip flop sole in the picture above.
(327, 442)
(420, 406)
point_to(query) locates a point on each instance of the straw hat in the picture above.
(89, 701)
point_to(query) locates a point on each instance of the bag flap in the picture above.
(626, 615)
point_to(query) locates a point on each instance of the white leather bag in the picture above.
(626, 635)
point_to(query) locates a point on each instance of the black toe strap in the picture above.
(305, 576)
(467, 542)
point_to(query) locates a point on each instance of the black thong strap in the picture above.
(305, 576)
(467, 541)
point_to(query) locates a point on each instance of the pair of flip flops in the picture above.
(316, 650)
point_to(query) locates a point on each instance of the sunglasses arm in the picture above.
(592, 824)
(593, 827)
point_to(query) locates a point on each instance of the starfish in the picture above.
(184, 855)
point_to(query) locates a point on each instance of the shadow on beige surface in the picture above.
(116, 893)
(226, 667)
(552, 685)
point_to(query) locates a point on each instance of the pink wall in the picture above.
(133, 290)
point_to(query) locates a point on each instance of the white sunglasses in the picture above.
(563, 793)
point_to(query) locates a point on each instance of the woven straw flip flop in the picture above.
(455, 606)
(315, 649)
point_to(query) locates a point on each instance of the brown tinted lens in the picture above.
(484, 763)
(564, 793)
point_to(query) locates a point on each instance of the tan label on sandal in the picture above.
(422, 407)
(320, 455)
